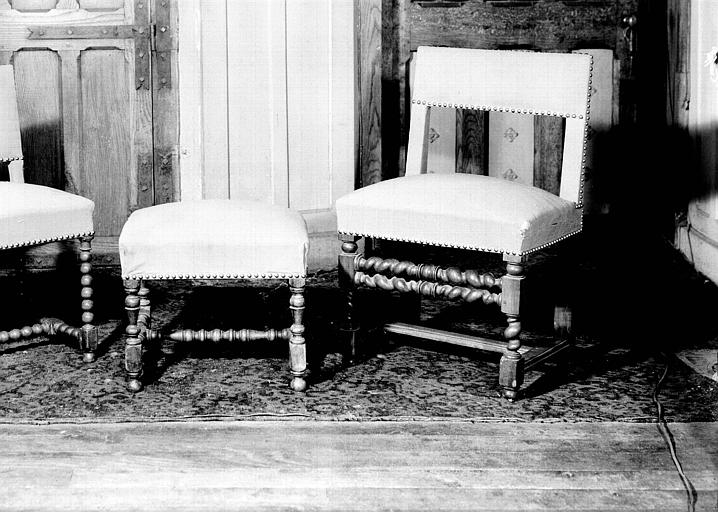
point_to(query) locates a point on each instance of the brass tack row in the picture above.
(46, 240)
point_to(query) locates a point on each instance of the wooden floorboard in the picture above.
(306, 465)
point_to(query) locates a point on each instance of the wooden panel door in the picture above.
(83, 75)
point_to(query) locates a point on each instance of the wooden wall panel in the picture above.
(215, 133)
(395, 64)
(369, 15)
(309, 72)
(472, 137)
(548, 25)
(548, 153)
(165, 107)
(257, 104)
(37, 80)
(106, 136)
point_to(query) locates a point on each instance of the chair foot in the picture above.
(563, 322)
(134, 385)
(88, 342)
(510, 394)
(351, 354)
(511, 374)
(298, 384)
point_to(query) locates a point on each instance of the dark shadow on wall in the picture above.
(43, 156)
(642, 292)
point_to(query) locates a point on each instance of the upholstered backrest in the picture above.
(10, 147)
(555, 84)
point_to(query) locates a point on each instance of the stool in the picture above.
(212, 240)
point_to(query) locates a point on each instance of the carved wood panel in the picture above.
(543, 26)
(86, 117)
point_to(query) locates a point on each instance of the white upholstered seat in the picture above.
(214, 239)
(33, 214)
(459, 210)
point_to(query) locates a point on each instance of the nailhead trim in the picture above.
(212, 276)
(469, 247)
(586, 116)
(47, 240)
(495, 109)
(9, 158)
(579, 203)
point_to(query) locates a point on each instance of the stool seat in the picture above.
(214, 239)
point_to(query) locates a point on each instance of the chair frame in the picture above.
(429, 280)
(139, 331)
(87, 335)
(11, 153)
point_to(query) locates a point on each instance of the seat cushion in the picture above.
(33, 214)
(214, 239)
(459, 210)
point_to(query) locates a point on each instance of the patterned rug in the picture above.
(630, 319)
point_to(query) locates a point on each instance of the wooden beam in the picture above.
(548, 152)
(369, 44)
(472, 141)
(464, 340)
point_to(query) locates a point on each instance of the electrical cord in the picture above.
(691, 493)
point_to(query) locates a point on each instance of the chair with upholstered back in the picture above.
(475, 212)
(32, 215)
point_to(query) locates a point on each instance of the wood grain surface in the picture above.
(280, 465)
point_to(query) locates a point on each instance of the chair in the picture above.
(218, 239)
(475, 212)
(33, 215)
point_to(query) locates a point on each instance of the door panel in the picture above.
(85, 87)
(106, 136)
(257, 104)
(37, 77)
(309, 105)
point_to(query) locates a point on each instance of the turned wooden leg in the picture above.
(144, 317)
(297, 348)
(511, 367)
(133, 341)
(88, 331)
(347, 258)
